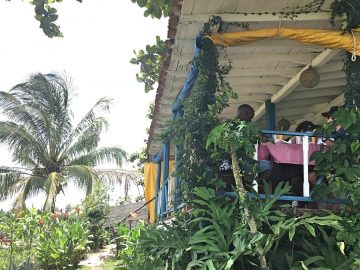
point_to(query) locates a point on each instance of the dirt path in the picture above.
(95, 260)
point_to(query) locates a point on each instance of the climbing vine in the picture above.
(211, 94)
(350, 10)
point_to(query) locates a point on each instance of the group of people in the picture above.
(273, 172)
(294, 173)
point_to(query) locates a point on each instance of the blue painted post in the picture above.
(179, 114)
(164, 192)
(158, 175)
(270, 115)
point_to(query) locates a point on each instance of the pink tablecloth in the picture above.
(285, 153)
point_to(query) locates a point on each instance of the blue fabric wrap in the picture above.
(264, 165)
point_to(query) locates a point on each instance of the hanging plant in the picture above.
(350, 10)
(211, 94)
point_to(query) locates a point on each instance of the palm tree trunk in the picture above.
(242, 195)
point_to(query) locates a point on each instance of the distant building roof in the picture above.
(119, 212)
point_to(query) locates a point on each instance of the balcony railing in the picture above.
(166, 193)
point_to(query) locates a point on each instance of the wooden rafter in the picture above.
(228, 17)
(318, 61)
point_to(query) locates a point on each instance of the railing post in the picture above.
(164, 192)
(255, 184)
(179, 114)
(306, 186)
(157, 188)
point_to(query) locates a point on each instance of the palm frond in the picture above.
(100, 156)
(116, 176)
(49, 94)
(26, 115)
(87, 140)
(9, 182)
(30, 186)
(82, 176)
(21, 142)
(52, 184)
(102, 105)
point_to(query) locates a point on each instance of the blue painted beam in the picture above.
(157, 188)
(270, 115)
(164, 192)
(191, 78)
(286, 198)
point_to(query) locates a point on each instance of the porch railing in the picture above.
(165, 194)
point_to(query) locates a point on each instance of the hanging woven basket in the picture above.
(309, 78)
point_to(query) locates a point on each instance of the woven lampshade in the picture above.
(309, 78)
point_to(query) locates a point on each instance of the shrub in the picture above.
(62, 241)
(97, 210)
(43, 240)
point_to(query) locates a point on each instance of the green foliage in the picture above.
(47, 15)
(131, 254)
(341, 166)
(236, 135)
(352, 71)
(215, 235)
(49, 150)
(97, 210)
(61, 241)
(140, 158)
(150, 62)
(351, 10)
(341, 163)
(155, 8)
(211, 94)
(150, 111)
(43, 241)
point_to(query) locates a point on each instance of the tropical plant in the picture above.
(130, 252)
(97, 210)
(49, 150)
(62, 241)
(47, 15)
(150, 62)
(155, 8)
(11, 230)
(236, 136)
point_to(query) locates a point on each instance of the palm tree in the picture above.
(49, 150)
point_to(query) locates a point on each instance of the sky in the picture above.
(99, 39)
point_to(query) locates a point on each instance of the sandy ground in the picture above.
(94, 260)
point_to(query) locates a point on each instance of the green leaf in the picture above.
(310, 229)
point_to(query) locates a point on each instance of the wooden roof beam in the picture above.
(290, 86)
(248, 17)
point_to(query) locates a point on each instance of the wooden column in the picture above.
(270, 115)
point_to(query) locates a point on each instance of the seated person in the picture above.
(246, 113)
(305, 126)
(330, 120)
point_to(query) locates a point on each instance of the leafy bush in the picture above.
(62, 241)
(57, 240)
(97, 210)
(215, 235)
(130, 254)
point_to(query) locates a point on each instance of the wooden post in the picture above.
(164, 192)
(270, 115)
(158, 175)
(306, 187)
